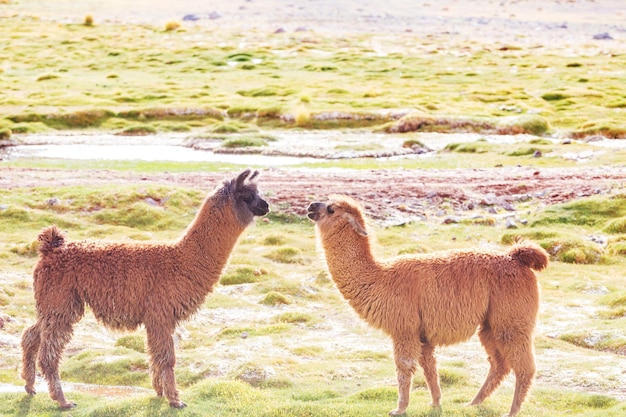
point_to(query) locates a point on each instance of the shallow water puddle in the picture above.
(144, 153)
(288, 148)
(110, 391)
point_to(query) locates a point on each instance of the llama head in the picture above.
(336, 213)
(246, 197)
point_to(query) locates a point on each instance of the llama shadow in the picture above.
(155, 408)
(23, 408)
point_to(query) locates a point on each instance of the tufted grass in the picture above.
(289, 310)
(211, 73)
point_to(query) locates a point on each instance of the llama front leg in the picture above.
(428, 362)
(405, 354)
(31, 339)
(163, 359)
(54, 338)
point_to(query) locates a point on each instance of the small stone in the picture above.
(507, 206)
(602, 36)
(244, 335)
(510, 224)
(537, 154)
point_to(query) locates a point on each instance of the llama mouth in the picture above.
(312, 211)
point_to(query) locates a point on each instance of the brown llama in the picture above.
(130, 284)
(423, 301)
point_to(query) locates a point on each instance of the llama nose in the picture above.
(313, 210)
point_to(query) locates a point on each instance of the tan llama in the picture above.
(428, 300)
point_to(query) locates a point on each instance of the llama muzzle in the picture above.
(313, 211)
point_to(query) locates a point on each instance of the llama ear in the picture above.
(355, 225)
(241, 178)
(254, 175)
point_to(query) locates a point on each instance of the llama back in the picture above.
(530, 255)
(49, 239)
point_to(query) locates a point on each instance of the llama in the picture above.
(424, 301)
(130, 284)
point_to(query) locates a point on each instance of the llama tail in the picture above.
(50, 238)
(531, 255)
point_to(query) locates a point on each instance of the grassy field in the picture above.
(134, 78)
(276, 338)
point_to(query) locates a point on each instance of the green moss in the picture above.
(92, 368)
(242, 275)
(134, 342)
(138, 130)
(5, 133)
(592, 211)
(554, 96)
(472, 147)
(274, 240)
(243, 142)
(285, 255)
(387, 394)
(138, 215)
(616, 226)
(274, 298)
(295, 317)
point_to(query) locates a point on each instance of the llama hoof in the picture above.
(30, 390)
(68, 405)
(397, 412)
(178, 404)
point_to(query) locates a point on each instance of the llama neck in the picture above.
(211, 237)
(353, 268)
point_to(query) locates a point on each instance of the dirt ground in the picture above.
(387, 194)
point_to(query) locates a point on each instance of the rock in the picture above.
(507, 206)
(254, 375)
(52, 202)
(451, 220)
(602, 36)
(214, 15)
(537, 154)
(191, 17)
(510, 224)
(244, 335)
(280, 30)
(489, 200)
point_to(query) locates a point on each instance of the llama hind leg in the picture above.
(499, 368)
(523, 363)
(163, 359)
(31, 339)
(405, 355)
(54, 338)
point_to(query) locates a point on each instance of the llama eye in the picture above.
(330, 209)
